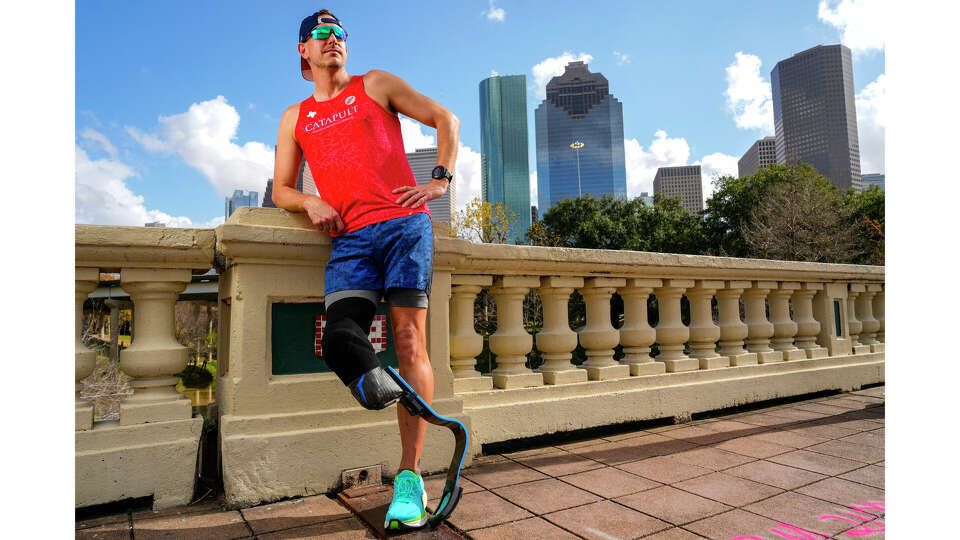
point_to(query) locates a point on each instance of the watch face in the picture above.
(439, 172)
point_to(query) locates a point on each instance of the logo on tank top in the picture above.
(350, 100)
(326, 121)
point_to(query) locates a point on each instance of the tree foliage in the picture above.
(483, 222)
(617, 223)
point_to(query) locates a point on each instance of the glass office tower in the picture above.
(815, 114)
(504, 162)
(579, 111)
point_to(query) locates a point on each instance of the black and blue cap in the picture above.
(306, 26)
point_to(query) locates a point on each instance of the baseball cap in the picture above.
(306, 26)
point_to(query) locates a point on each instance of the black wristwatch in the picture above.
(440, 172)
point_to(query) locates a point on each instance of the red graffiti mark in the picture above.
(863, 529)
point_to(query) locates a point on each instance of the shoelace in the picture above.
(407, 489)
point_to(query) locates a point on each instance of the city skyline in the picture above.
(166, 130)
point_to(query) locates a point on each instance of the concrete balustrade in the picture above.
(671, 332)
(599, 337)
(870, 325)
(557, 341)
(465, 343)
(288, 435)
(878, 313)
(807, 326)
(511, 342)
(732, 329)
(85, 360)
(856, 326)
(784, 328)
(636, 334)
(703, 333)
(154, 358)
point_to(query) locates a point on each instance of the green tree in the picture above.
(483, 222)
(867, 212)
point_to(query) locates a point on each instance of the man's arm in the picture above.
(285, 169)
(401, 97)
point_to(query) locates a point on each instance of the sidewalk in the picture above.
(811, 467)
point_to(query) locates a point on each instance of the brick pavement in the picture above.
(809, 468)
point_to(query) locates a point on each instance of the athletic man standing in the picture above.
(370, 204)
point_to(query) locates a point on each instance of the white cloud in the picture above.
(96, 136)
(862, 23)
(871, 121)
(714, 165)
(621, 58)
(534, 189)
(642, 164)
(552, 67)
(466, 172)
(103, 198)
(748, 94)
(204, 138)
(495, 13)
(493, 73)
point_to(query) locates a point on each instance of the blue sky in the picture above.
(177, 103)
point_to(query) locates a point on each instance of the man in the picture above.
(376, 214)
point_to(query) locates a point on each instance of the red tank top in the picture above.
(355, 152)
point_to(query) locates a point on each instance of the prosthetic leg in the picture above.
(348, 352)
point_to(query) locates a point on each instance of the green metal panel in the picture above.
(836, 317)
(295, 334)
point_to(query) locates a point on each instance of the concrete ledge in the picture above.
(267, 458)
(116, 462)
(550, 409)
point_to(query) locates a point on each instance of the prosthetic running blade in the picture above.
(451, 489)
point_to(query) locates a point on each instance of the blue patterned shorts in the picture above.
(397, 253)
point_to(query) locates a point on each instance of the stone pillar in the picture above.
(854, 324)
(878, 307)
(868, 334)
(703, 333)
(85, 282)
(511, 342)
(732, 329)
(557, 341)
(465, 343)
(784, 329)
(599, 337)
(759, 329)
(636, 334)
(807, 326)
(671, 333)
(154, 358)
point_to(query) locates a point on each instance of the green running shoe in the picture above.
(409, 507)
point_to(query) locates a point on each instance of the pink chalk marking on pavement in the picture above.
(805, 534)
(864, 529)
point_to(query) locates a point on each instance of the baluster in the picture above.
(154, 358)
(599, 337)
(784, 329)
(557, 341)
(760, 330)
(671, 333)
(85, 282)
(511, 342)
(703, 333)
(636, 334)
(854, 324)
(465, 343)
(807, 326)
(868, 334)
(878, 307)
(732, 329)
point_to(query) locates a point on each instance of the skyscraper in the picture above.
(579, 139)
(815, 115)
(238, 199)
(686, 181)
(422, 161)
(504, 162)
(762, 153)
